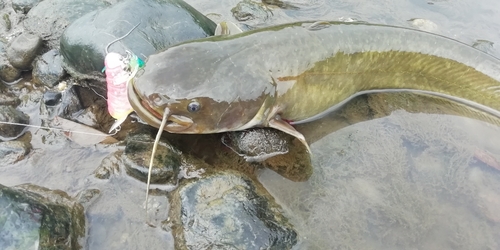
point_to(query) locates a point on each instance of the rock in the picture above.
(48, 68)
(52, 98)
(23, 6)
(281, 4)
(49, 18)
(7, 72)
(109, 166)
(249, 10)
(10, 114)
(162, 24)
(257, 144)
(33, 217)
(22, 50)
(138, 154)
(13, 151)
(227, 211)
(60, 102)
(9, 99)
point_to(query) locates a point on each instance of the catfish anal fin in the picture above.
(279, 124)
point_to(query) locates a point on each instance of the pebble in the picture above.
(13, 151)
(48, 68)
(10, 114)
(22, 50)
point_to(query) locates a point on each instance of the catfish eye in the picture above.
(193, 106)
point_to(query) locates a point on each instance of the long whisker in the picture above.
(155, 146)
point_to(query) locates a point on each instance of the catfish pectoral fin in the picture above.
(281, 125)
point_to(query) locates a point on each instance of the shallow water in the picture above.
(406, 181)
(373, 186)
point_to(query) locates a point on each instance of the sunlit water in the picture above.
(373, 187)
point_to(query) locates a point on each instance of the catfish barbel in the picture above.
(294, 73)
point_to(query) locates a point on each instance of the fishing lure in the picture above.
(119, 71)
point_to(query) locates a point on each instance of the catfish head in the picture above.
(203, 87)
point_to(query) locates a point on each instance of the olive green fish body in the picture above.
(297, 72)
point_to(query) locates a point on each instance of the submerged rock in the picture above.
(7, 72)
(13, 151)
(48, 68)
(33, 217)
(228, 211)
(138, 154)
(22, 50)
(250, 10)
(161, 24)
(11, 115)
(49, 18)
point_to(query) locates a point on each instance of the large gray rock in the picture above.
(49, 18)
(162, 23)
(228, 211)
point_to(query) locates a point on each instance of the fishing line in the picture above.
(55, 128)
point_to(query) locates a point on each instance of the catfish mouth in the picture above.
(154, 117)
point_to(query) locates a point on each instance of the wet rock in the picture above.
(228, 211)
(88, 196)
(109, 166)
(7, 72)
(257, 144)
(64, 103)
(281, 4)
(22, 50)
(249, 10)
(49, 18)
(13, 151)
(162, 24)
(138, 154)
(48, 68)
(33, 217)
(52, 98)
(11, 115)
(23, 6)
